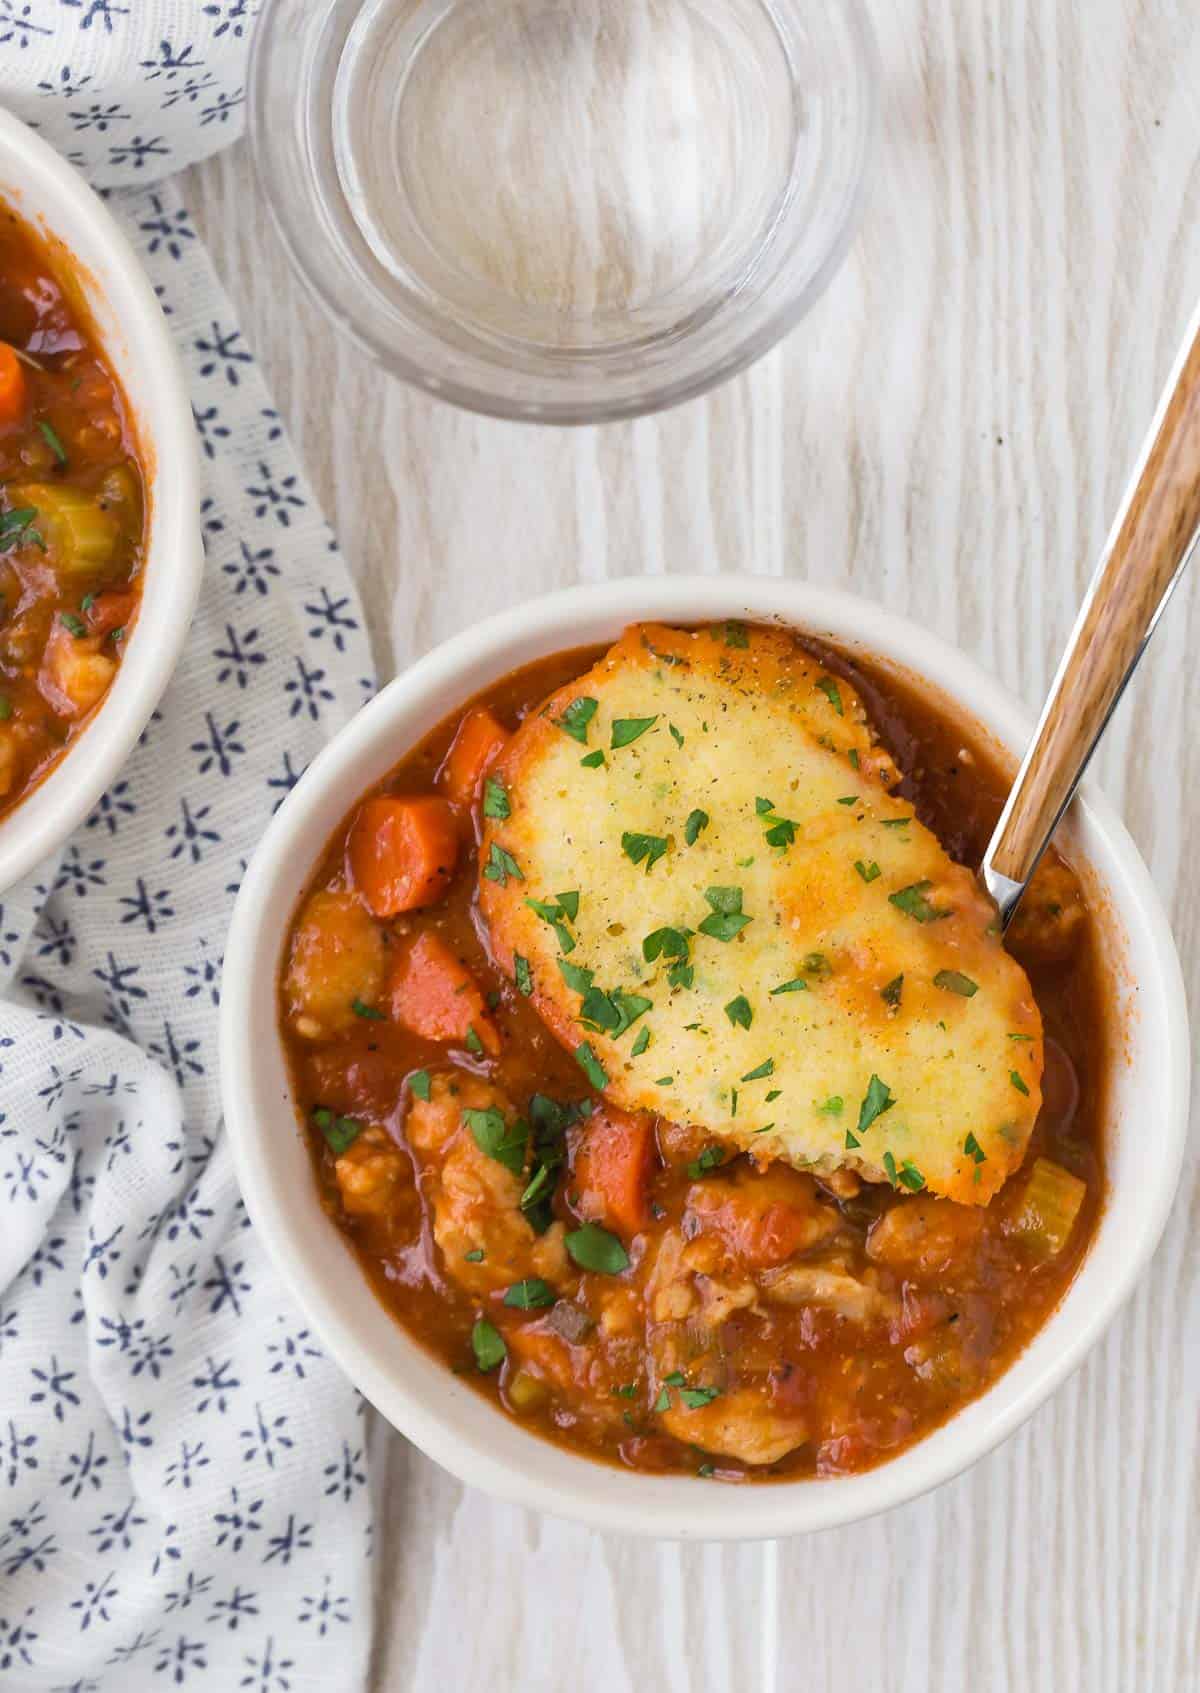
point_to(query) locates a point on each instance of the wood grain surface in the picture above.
(950, 432)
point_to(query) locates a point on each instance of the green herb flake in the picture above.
(594, 1248)
(973, 1149)
(695, 1397)
(955, 982)
(640, 1044)
(833, 1106)
(1020, 1037)
(5, 708)
(665, 943)
(711, 1158)
(555, 912)
(854, 759)
(339, 1132)
(706, 1470)
(74, 625)
(663, 1402)
(739, 1012)
(696, 822)
(591, 1065)
(663, 1081)
(532, 1294)
(495, 799)
(87, 602)
(852, 1140)
(593, 760)
(575, 719)
(475, 1257)
(51, 437)
(889, 1165)
(575, 976)
(736, 635)
(487, 1344)
(522, 974)
(420, 1083)
(891, 993)
(912, 901)
(877, 1100)
(369, 1012)
(767, 1068)
(910, 1177)
(501, 865)
(832, 693)
(896, 822)
(869, 871)
(726, 918)
(849, 799)
(763, 806)
(796, 985)
(626, 730)
(497, 1139)
(627, 1391)
(474, 1044)
(675, 735)
(774, 1094)
(1016, 1081)
(638, 847)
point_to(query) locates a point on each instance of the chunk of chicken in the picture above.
(370, 1174)
(924, 1236)
(476, 1199)
(740, 1424)
(761, 1218)
(336, 958)
(75, 674)
(832, 1289)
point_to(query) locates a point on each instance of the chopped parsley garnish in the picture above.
(665, 943)
(767, 1068)
(726, 919)
(532, 1294)
(1016, 1081)
(849, 799)
(1020, 1037)
(889, 1164)
(87, 602)
(522, 975)
(495, 799)
(706, 1470)
(852, 1140)
(833, 1106)
(75, 625)
(556, 912)
(593, 760)
(475, 1257)
(663, 1402)
(497, 1139)
(419, 1083)
(675, 735)
(774, 1094)
(638, 847)
(594, 1248)
(868, 871)
(591, 1065)
(697, 820)
(640, 1044)
(663, 1081)
(628, 1391)
(853, 757)
(51, 437)
(575, 976)
(339, 1132)
(501, 865)
(474, 1044)
(877, 1100)
(910, 1177)
(736, 635)
(781, 832)
(695, 1397)
(626, 730)
(796, 985)
(16, 529)
(487, 1343)
(5, 708)
(569, 903)
(911, 900)
(973, 1149)
(891, 994)
(895, 822)
(367, 1011)
(710, 1159)
(832, 693)
(612, 1013)
(763, 806)
(739, 1013)
(816, 964)
(575, 719)
(955, 982)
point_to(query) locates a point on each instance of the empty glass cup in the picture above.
(564, 210)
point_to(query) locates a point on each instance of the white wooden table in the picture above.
(948, 432)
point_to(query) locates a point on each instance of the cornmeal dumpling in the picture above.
(708, 888)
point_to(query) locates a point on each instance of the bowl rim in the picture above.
(56, 201)
(274, 143)
(552, 1479)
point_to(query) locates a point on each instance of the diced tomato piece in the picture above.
(402, 852)
(477, 745)
(12, 386)
(110, 611)
(611, 1168)
(434, 994)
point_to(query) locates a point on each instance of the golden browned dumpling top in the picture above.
(712, 897)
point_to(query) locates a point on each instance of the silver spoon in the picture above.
(1148, 549)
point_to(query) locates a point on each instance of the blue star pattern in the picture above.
(130, 90)
(184, 1497)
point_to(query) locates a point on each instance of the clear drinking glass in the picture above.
(564, 210)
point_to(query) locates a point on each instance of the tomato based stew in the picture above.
(71, 514)
(772, 1287)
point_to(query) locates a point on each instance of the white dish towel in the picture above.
(184, 1494)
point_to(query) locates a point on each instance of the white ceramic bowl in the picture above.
(55, 200)
(419, 1395)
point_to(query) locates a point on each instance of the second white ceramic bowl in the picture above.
(57, 203)
(453, 1424)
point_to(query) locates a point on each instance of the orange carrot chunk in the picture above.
(12, 386)
(477, 745)
(402, 852)
(434, 995)
(611, 1169)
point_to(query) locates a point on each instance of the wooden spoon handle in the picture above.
(1147, 550)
